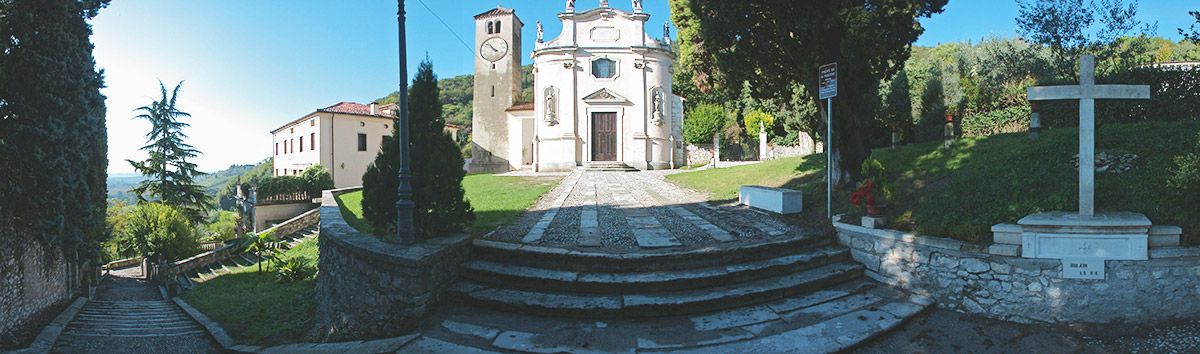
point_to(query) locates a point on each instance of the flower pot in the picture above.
(875, 209)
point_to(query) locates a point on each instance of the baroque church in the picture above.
(601, 96)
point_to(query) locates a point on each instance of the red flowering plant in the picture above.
(874, 189)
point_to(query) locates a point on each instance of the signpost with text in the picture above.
(828, 79)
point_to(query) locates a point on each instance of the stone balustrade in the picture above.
(368, 288)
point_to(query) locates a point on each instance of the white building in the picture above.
(344, 138)
(602, 93)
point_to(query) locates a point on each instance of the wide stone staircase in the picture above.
(607, 166)
(208, 272)
(793, 295)
(131, 319)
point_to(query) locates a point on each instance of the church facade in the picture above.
(602, 94)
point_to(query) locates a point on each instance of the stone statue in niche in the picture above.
(551, 107)
(637, 5)
(603, 3)
(540, 31)
(570, 5)
(656, 107)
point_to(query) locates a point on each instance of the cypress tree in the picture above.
(53, 141)
(170, 177)
(437, 168)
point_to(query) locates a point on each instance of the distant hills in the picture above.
(458, 92)
(119, 184)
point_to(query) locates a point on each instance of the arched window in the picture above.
(497, 27)
(491, 27)
(604, 68)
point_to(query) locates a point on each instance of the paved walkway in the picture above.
(623, 212)
(128, 315)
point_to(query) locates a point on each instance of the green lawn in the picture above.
(496, 199)
(255, 309)
(963, 191)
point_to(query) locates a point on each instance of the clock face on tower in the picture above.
(493, 49)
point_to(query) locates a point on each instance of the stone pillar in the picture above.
(762, 143)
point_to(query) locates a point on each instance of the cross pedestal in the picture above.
(1086, 235)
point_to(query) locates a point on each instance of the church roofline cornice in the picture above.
(598, 12)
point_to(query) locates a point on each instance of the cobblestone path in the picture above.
(636, 212)
(128, 315)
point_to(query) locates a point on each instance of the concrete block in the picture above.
(779, 200)
(873, 222)
(1008, 234)
(1005, 250)
(1165, 236)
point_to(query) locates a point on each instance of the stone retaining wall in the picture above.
(966, 278)
(33, 278)
(367, 288)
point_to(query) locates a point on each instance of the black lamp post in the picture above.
(404, 203)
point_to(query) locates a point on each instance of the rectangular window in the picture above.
(285, 146)
(276, 148)
(312, 141)
(301, 144)
(362, 142)
(292, 142)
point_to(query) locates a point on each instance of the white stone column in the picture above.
(1087, 139)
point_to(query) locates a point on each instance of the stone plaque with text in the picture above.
(1083, 269)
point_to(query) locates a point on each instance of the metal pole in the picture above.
(404, 203)
(829, 158)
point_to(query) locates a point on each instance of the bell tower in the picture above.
(497, 87)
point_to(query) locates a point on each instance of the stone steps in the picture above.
(607, 166)
(523, 277)
(643, 304)
(131, 319)
(583, 261)
(833, 319)
(211, 271)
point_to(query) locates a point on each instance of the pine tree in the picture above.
(53, 142)
(170, 177)
(437, 169)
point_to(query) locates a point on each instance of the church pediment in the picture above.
(604, 96)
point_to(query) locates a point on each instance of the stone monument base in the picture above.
(1069, 235)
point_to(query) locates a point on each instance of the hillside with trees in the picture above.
(458, 92)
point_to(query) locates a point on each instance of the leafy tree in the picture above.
(170, 177)
(157, 231)
(1194, 34)
(897, 104)
(1065, 26)
(222, 226)
(437, 169)
(784, 41)
(316, 179)
(53, 140)
(703, 122)
(225, 196)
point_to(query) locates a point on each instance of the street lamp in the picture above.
(404, 203)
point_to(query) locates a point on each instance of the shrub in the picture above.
(281, 185)
(293, 269)
(753, 118)
(1007, 120)
(222, 227)
(702, 122)
(156, 230)
(1186, 176)
(1174, 95)
(316, 179)
(440, 206)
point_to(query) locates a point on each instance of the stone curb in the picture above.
(228, 345)
(45, 340)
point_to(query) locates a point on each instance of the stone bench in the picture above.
(779, 200)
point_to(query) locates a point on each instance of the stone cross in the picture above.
(1087, 92)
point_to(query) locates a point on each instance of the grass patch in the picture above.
(255, 309)
(497, 200)
(961, 192)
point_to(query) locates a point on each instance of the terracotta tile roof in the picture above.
(383, 111)
(495, 12)
(359, 109)
(527, 106)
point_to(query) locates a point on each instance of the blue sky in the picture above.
(250, 66)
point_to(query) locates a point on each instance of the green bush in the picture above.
(440, 206)
(281, 185)
(753, 118)
(1174, 95)
(156, 230)
(1186, 175)
(293, 269)
(222, 227)
(316, 179)
(1005, 120)
(702, 122)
